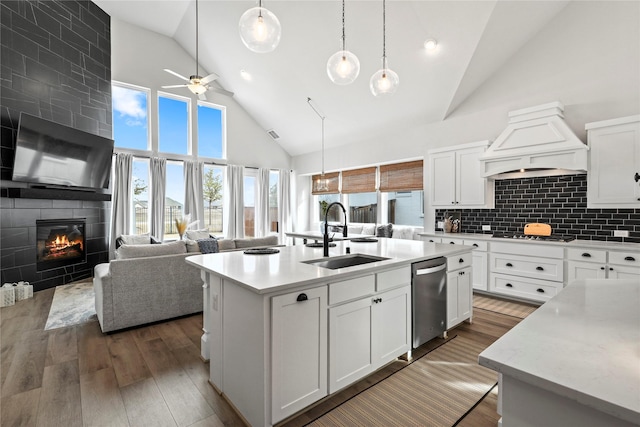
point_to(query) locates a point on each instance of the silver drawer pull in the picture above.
(430, 270)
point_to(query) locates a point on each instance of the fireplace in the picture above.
(60, 243)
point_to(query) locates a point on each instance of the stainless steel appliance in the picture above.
(429, 299)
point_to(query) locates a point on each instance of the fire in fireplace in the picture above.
(60, 243)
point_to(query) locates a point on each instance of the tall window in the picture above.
(212, 192)
(173, 124)
(274, 177)
(174, 198)
(405, 207)
(140, 194)
(249, 203)
(211, 136)
(130, 118)
(363, 207)
(324, 200)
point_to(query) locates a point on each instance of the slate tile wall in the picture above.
(557, 200)
(56, 64)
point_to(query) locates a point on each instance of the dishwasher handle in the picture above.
(422, 271)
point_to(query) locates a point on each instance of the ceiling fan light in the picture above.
(260, 30)
(197, 88)
(343, 67)
(384, 82)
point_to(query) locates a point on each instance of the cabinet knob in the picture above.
(475, 245)
(431, 240)
(586, 255)
(461, 260)
(539, 268)
(509, 285)
(610, 268)
(601, 268)
(629, 258)
(540, 290)
(302, 297)
(377, 300)
(452, 243)
(636, 177)
(509, 264)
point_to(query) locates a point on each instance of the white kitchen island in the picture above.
(575, 361)
(280, 334)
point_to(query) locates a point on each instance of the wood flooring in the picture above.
(148, 376)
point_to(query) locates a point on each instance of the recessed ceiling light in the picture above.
(245, 75)
(430, 44)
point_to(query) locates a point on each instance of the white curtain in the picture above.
(262, 204)
(286, 207)
(158, 185)
(193, 194)
(233, 222)
(120, 198)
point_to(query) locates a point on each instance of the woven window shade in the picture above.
(401, 176)
(359, 180)
(333, 180)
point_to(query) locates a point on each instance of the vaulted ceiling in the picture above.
(475, 39)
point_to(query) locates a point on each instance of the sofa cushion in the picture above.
(256, 242)
(141, 251)
(354, 229)
(403, 232)
(369, 229)
(192, 245)
(208, 246)
(226, 244)
(197, 234)
(384, 230)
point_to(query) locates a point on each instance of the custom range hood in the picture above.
(537, 139)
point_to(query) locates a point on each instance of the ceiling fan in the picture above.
(196, 83)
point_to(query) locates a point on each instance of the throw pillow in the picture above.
(369, 229)
(141, 251)
(197, 234)
(135, 239)
(192, 245)
(208, 246)
(384, 230)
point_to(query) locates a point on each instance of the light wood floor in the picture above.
(147, 376)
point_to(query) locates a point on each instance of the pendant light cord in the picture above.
(343, 36)
(384, 35)
(322, 117)
(197, 63)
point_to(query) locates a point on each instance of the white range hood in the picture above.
(538, 139)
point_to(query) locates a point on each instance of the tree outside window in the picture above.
(212, 194)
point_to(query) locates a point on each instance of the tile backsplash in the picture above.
(560, 201)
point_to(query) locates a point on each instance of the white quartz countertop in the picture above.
(592, 244)
(583, 344)
(285, 270)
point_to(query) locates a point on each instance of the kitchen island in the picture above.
(280, 333)
(575, 361)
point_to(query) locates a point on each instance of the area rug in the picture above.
(72, 304)
(498, 305)
(435, 390)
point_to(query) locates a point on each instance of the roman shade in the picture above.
(405, 176)
(359, 180)
(332, 180)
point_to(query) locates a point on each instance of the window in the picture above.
(249, 202)
(363, 207)
(211, 131)
(174, 198)
(405, 207)
(324, 200)
(274, 177)
(130, 118)
(140, 195)
(212, 192)
(173, 124)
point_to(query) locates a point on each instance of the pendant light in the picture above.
(323, 183)
(260, 29)
(343, 66)
(384, 81)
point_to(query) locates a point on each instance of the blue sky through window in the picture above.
(173, 124)
(130, 128)
(209, 132)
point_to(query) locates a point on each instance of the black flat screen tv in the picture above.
(51, 154)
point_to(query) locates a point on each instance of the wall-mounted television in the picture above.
(51, 154)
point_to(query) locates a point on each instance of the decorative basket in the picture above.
(23, 291)
(7, 295)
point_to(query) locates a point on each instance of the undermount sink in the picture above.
(343, 261)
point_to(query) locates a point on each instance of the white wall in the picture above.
(588, 58)
(140, 56)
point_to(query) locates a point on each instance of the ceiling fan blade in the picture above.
(221, 91)
(211, 77)
(173, 86)
(176, 74)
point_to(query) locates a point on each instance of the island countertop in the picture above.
(583, 344)
(275, 272)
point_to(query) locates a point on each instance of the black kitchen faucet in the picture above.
(325, 239)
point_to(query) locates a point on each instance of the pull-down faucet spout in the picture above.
(325, 239)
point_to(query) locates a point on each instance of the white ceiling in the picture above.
(475, 39)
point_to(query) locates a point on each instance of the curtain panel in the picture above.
(285, 205)
(234, 203)
(121, 198)
(193, 191)
(262, 226)
(333, 179)
(158, 186)
(359, 180)
(405, 176)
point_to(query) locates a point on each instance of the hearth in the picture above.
(60, 243)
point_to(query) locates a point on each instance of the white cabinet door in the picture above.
(452, 299)
(459, 296)
(479, 270)
(614, 161)
(391, 329)
(585, 270)
(299, 351)
(470, 186)
(623, 272)
(349, 343)
(442, 176)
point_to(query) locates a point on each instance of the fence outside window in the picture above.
(212, 219)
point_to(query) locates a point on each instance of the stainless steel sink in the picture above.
(343, 261)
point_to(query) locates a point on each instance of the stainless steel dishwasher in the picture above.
(429, 299)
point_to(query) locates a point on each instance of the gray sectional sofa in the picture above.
(152, 282)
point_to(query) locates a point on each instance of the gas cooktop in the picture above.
(520, 236)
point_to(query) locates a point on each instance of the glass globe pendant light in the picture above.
(260, 29)
(343, 67)
(384, 81)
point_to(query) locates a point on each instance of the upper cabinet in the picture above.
(613, 178)
(455, 177)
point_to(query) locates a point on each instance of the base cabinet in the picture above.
(459, 296)
(602, 264)
(299, 351)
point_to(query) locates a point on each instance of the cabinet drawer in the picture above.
(452, 241)
(632, 259)
(393, 278)
(351, 289)
(459, 261)
(479, 245)
(431, 239)
(587, 255)
(528, 248)
(521, 287)
(536, 268)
